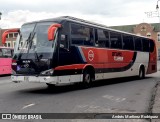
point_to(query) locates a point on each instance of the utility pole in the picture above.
(0, 15)
(157, 7)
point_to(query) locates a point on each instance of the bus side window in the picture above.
(81, 35)
(116, 40)
(138, 44)
(151, 45)
(1, 54)
(102, 38)
(145, 43)
(128, 42)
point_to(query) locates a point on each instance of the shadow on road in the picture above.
(75, 87)
(2, 76)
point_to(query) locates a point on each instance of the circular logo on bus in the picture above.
(90, 55)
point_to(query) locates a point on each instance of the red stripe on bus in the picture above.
(68, 67)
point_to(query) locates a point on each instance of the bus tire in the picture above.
(141, 72)
(86, 79)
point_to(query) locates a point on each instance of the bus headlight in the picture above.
(48, 72)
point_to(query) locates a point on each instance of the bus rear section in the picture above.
(152, 65)
(5, 60)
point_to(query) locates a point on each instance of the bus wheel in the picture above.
(86, 79)
(142, 73)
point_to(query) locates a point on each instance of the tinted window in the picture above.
(145, 43)
(138, 44)
(116, 40)
(82, 35)
(128, 42)
(151, 45)
(6, 53)
(1, 54)
(102, 38)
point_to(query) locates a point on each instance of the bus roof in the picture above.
(63, 19)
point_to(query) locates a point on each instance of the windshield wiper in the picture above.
(35, 54)
(24, 45)
(30, 41)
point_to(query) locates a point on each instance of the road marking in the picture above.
(113, 98)
(28, 105)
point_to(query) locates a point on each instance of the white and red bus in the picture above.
(5, 60)
(70, 50)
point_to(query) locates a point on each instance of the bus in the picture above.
(5, 60)
(66, 50)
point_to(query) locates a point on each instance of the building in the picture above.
(143, 29)
(11, 38)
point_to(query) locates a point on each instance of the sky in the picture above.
(107, 12)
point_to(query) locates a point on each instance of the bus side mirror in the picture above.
(4, 35)
(52, 30)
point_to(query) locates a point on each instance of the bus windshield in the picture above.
(33, 38)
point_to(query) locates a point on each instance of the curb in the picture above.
(156, 102)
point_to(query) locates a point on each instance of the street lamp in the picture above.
(157, 7)
(0, 15)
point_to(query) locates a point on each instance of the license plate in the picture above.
(26, 78)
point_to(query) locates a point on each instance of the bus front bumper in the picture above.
(35, 79)
(48, 79)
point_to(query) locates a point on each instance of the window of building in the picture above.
(7, 36)
(158, 36)
(116, 40)
(82, 35)
(15, 35)
(128, 42)
(102, 38)
(8, 44)
(148, 35)
(14, 43)
(10, 35)
(158, 53)
(138, 44)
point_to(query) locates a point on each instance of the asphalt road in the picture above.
(116, 95)
(124, 95)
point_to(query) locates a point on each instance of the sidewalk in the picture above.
(156, 105)
(156, 99)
